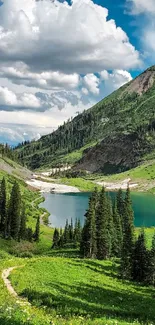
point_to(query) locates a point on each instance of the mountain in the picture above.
(115, 135)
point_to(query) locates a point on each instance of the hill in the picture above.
(115, 135)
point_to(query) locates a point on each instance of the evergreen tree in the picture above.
(29, 234)
(22, 231)
(151, 264)
(139, 259)
(88, 245)
(66, 234)
(14, 212)
(111, 233)
(128, 238)
(120, 205)
(71, 231)
(102, 216)
(37, 230)
(77, 232)
(56, 238)
(3, 212)
(118, 234)
(61, 240)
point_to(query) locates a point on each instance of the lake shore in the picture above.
(47, 187)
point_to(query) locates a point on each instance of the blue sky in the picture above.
(59, 58)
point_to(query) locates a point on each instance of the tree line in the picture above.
(70, 236)
(13, 215)
(7, 151)
(109, 232)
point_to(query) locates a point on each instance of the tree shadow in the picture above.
(86, 299)
(6, 321)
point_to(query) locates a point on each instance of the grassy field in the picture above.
(74, 291)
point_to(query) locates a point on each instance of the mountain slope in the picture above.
(122, 125)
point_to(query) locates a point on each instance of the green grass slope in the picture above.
(74, 291)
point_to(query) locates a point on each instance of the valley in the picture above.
(65, 269)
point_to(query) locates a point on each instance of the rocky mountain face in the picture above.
(122, 125)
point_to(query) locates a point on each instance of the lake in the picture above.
(74, 205)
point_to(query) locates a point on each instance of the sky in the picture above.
(58, 58)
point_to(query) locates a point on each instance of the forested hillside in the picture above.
(119, 130)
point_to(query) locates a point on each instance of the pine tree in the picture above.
(118, 234)
(111, 233)
(102, 227)
(151, 264)
(29, 234)
(139, 259)
(66, 233)
(37, 230)
(71, 231)
(56, 238)
(128, 238)
(3, 212)
(61, 240)
(14, 212)
(22, 231)
(88, 245)
(120, 205)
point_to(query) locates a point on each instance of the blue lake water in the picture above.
(74, 205)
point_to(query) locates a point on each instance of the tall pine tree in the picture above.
(102, 219)
(3, 208)
(118, 234)
(128, 237)
(88, 246)
(14, 212)
(37, 230)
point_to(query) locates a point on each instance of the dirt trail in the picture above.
(5, 275)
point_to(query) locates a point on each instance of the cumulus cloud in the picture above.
(114, 80)
(9, 100)
(142, 6)
(45, 80)
(54, 36)
(91, 82)
(146, 9)
(54, 62)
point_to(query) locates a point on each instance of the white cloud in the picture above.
(146, 12)
(45, 80)
(142, 6)
(114, 80)
(91, 82)
(50, 45)
(25, 100)
(42, 34)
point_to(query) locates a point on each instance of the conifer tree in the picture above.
(88, 245)
(37, 230)
(102, 227)
(3, 203)
(139, 259)
(66, 233)
(22, 230)
(111, 232)
(118, 234)
(151, 264)
(14, 212)
(71, 231)
(56, 238)
(29, 234)
(128, 238)
(61, 240)
(120, 205)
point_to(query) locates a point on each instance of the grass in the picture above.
(74, 291)
(82, 184)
